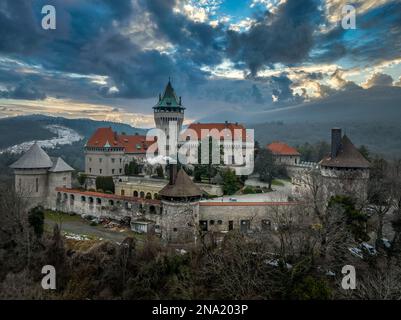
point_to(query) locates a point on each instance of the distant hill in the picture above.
(370, 117)
(17, 130)
(20, 129)
(380, 138)
(378, 104)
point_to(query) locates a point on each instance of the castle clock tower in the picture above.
(169, 109)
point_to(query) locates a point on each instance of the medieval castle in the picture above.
(178, 209)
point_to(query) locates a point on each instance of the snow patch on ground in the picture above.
(64, 136)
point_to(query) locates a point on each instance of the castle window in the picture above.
(100, 171)
(112, 171)
(175, 229)
(122, 192)
(136, 194)
(203, 225)
(211, 222)
(220, 222)
(83, 199)
(245, 226)
(111, 202)
(37, 184)
(121, 170)
(152, 209)
(90, 159)
(98, 201)
(90, 170)
(113, 160)
(266, 225)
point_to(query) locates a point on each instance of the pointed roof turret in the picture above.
(34, 158)
(59, 165)
(183, 187)
(348, 156)
(169, 99)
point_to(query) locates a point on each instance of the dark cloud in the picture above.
(377, 38)
(93, 38)
(284, 37)
(19, 27)
(25, 91)
(88, 40)
(198, 42)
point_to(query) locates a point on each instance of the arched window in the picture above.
(136, 194)
(122, 192)
(152, 209)
(149, 196)
(142, 194)
(111, 202)
(83, 199)
(98, 201)
(156, 196)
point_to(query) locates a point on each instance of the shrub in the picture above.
(105, 184)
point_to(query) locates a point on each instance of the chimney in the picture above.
(172, 173)
(335, 141)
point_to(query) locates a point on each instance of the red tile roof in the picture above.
(106, 137)
(216, 130)
(282, 149)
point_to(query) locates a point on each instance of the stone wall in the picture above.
(32, 184)
(148, 187)
(179, 221)
(104, 205)
(248, 217)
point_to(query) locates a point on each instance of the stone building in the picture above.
(107, 152)
(284, 154)
(177, 209)
(180, 202)
(345, 171)
(168, 110)
(37, 176)
(230, 137)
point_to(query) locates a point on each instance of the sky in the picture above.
(109, 60)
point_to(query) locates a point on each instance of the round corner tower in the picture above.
(31, 175)
(345, 171)
(180, 202)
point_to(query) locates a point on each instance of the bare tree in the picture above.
(380, 195)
